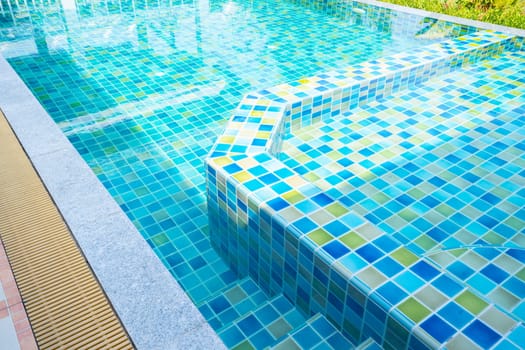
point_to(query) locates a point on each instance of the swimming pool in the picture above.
(145, 90)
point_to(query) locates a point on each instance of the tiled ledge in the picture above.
(289, 236)
(262, 118)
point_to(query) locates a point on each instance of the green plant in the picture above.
(504, 12)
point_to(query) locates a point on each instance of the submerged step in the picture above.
(316, 333)
(231, 303)
(263, 118)
(244, 316)
(264, 326)
(293, 237)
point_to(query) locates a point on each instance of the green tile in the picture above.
(372, 277)
(279, 328)
(288, 344)
(293, 196)
(245, 345)
(521, 274)
(493, 238)
(312, 177)
(425, 242)
(431, 297)
(235, 295)
(498, 320)
(504, 299)
(414, 310)
(110, 150)
(159, 239)
(471, 302)
(380, 198)
(445, 210)
(416, 193)
(320, 236)
(337, 209)
(408, 215)
(352, 240)
(160, 215)
(515, 223)
(458, 252)
(404, 256)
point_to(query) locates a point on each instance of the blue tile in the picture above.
(437, 328)
(337, 341)
(482, 334)
(262, 339)
(336, 228)
(392, 293)
(518, 254)
(386, 243)
(430, 201)
(424, 270)
(370, 253)
(249, 325)
(487, 221)
(481, 283)
(306, 337)
(305, 225)
(269, 179)
(353, 262)
(336, 249)
(219, 304)
(231, 336)
(461, 270)
(494, 273)
(351, 220)
(456, 315)
(323, 327)
(322, 199)
(389, 266)
(437, 234)
(409, 281)
(516, 286)
(267, 314)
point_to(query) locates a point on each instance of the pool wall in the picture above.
(155, 311)
(273, 225)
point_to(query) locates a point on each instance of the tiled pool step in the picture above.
(245, 318)
(295, 239)
(316, 333)
(262, 118)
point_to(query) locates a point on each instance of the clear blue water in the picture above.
(142, 89)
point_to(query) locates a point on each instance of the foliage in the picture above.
(504, 12)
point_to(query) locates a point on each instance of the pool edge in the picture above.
(444, 17)
(145, 296)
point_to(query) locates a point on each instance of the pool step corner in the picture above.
(316, 333)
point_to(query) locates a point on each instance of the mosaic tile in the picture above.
(144, 105)
(400, 169)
